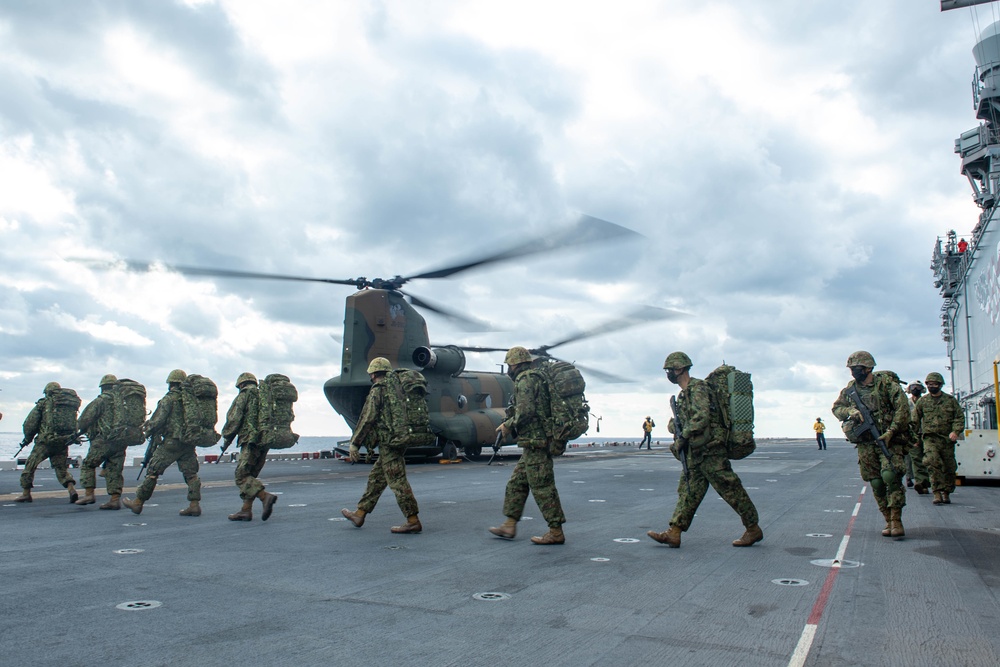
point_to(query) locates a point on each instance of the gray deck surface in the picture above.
(307, 588)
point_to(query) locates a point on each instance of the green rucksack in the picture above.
(274, 423)
(411, 428)
(570, 412)
(732, 391)
(59, 421)
(199, 398)
(128, 413)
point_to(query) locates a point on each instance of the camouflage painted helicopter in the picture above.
(381, 321)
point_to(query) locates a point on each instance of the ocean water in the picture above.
(9, 443)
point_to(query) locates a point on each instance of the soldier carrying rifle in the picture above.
(52, 425)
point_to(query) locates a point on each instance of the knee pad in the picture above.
(878, 486)
(889, 476)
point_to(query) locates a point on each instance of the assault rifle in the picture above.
(225, 446)
(683, 448)
(154, 442)
(868, 425)
(496, 446)
(24, 443)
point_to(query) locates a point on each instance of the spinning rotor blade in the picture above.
(640, 315)
(587, 230)
(218, 273)
(464, 321)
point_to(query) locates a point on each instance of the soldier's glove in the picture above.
(355, 454)
(854, 415)
(504, 432)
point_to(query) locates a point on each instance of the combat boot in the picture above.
(25, 497)
(670, 537)
(751, 536)
(73, 495)
(945, 498)
(114, 502)
(268, 499)
(896, 522)
(135, 505)
(412, 525)
(88, 498)
(357, 517)
(194, 509)
(506, 530)
(245, 513)
(938, 500)
(887, 531)
(920, 488)
(554, 536)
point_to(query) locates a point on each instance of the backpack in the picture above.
(274, 422)
(412, 427)
(128, 413)
(59, 419)
(732, 391)
(199, 398)
(570, 412)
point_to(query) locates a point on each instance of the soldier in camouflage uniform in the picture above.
(884, 397)
(167, 426)
(382, 409)
(51, 446)
(916, 471)
(96, 421)
(707, 458)
(528, 422)
(941, 420)
(241, 422)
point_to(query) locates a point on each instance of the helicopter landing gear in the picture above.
(473, 452)
(450, 451)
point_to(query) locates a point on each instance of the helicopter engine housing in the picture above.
(448, 360)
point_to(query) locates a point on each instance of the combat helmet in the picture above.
(246, 377)
(517, 355)
(51, 387)
(915, 388)
(935, 377)
(107, 379)
(677, 360)
(379, 365)
(861, 358)
(176, 375)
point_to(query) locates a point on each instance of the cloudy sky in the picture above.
(789, 164)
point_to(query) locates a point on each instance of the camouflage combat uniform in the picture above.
(708, 460)
(168, 421)
(375, 426)
(915, 468)
(48, 445)
(241, 423)
(938, 417)
(96, 421)
(888, 405)
(533, 471)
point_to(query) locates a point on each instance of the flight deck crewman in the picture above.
(647, 433)
(528, 421)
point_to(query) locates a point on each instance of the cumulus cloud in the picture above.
(789, 166)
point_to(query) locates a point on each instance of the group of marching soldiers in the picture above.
(169, 444)
(889, 429)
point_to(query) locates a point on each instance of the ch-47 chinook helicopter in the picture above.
(381, 320)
